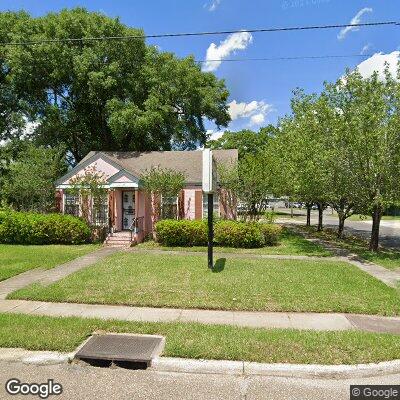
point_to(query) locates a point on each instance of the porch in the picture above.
(129, 215)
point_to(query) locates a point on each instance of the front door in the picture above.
(128, 209)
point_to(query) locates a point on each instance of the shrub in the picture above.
(271, 233)
(170, 232)
(33, 228)
(270, 216)
(239, 234)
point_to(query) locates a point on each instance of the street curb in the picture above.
(181, 365)
(35, 357)
(220, 367)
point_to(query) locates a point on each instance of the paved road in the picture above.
(389, 231)
(88, 383)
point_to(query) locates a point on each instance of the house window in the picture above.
(169, 207)
(215, 205)
(100, 211)
(71, 204)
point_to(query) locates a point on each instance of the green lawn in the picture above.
(290, 243)
(387, 258)
(15, 259)
(183, 281)
(358, 217)
(192, 340)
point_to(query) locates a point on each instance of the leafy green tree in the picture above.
(246, 141)
(248, 182)
(90, 187)
(304, 153)
(162, 184)
(11, 116)
(29, 182)
(107, 94)
(371, 142)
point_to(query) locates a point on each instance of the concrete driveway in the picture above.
(88, 383)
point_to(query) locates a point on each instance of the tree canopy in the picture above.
(28, 184)
(103, 94)
(342, 147)
(245, 141)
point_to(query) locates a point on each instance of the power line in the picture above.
(186, 34)
(287, 58)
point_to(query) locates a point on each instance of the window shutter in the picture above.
(59, 201)
(198, 204)
(111, 210)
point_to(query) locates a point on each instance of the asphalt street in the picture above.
(389, 230)
(84, 383)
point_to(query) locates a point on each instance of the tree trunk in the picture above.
(376, 221)
(308, 214)
(342, 218)
(320, 216)
(155, 213)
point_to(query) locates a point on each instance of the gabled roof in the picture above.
(135, 163)
(115, 179)
(187, 162)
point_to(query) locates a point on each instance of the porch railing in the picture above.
(137, 226)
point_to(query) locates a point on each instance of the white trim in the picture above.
(133, 185)
(67, 186)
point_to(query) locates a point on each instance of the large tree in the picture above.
(371, 141)
(30, 177)
(303, 152)
(108, 94)
(246, 141)
(11, 116)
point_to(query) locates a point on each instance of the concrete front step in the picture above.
(119, 239)
(118, 243)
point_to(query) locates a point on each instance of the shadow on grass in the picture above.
(219, 265)
(299, 244)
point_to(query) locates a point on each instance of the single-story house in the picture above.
(127, 208)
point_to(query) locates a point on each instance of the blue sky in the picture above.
(260, 92)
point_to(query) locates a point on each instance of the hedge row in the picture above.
(171, 232)
(33, 228)
(226, 233)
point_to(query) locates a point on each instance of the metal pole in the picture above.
(210, 200)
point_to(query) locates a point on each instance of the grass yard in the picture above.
(387, 258)
(15, 259)
(183, 281)
(290, 243)
(192, 340)
(358, 217)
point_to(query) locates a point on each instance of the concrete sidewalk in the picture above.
(266, 320)
(48, 276)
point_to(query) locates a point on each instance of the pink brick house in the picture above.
(127, 209)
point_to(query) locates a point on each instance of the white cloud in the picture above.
(214, 135)
(216, 53)
(377, 63)
(212, 5)
(356, 20)
(366, 48)
(255, 110)
(257, 119)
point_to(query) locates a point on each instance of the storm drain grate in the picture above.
(121, 349)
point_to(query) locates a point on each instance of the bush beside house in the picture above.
(34, 228)
(238, 234)
(170, 232)
(226, 233)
